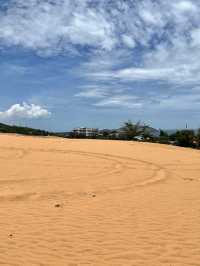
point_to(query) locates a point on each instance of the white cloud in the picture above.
(144, 73)
(195, 35)
(177, 74)
(178, 102)
(133, 40)
(128, 41)
(50, 27)
(92, 93)
(59, 26)
(91, 28)
(25, 111)
(147, 16)
(128, 101)
(185, 6)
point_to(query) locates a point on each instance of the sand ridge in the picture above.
(90, 202)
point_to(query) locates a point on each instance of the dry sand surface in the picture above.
(86, 202)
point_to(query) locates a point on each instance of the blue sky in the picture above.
(98, 63)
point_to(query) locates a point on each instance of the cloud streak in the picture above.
(124, 42)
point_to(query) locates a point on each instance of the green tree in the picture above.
(132, 130)
(185, 138)
(198, 138)
(164, 137)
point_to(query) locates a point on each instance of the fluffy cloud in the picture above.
(51, 27)
(25, 110)
(185, 6)
(128, 41)
(57, 26)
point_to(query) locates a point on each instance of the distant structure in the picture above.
(85, 132)
(120, 133)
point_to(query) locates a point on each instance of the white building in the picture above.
(85, 131)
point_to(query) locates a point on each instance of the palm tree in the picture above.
(132, 130)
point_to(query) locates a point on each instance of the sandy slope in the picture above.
(85, 202)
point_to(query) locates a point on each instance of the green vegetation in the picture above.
(129, 131)
(182, 138)
(141, 132)
(22, 130)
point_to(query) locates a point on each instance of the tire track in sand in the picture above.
(116, 165)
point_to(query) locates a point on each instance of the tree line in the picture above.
(22, 130)
(184, 138)
(140, 132)
(129, 131)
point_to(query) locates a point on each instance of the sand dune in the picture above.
(86, 202)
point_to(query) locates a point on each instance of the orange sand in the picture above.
(86, 202)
